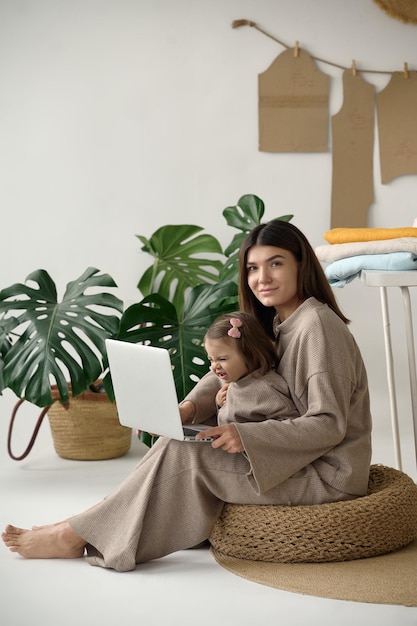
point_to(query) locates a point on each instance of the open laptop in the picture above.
(144, 390)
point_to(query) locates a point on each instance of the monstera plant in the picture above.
(184, 294)
(44, 341)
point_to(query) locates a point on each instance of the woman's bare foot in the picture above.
(57, 541)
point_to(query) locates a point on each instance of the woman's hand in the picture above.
(187, 411)
(225, 437)
(221, 395)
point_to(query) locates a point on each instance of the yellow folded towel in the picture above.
(346, 235)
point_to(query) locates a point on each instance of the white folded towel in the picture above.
(328, 253)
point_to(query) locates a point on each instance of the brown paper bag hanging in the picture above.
(397, 126)
(293, 105)
(352, 154)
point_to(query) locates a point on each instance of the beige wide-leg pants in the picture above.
(173, 498)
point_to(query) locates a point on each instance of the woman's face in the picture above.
(272, 277)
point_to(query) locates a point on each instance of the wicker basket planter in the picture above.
(89, 429)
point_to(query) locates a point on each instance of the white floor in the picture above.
(186, 588)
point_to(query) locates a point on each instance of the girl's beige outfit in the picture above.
(308, 447)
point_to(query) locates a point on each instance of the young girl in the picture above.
(243, 357)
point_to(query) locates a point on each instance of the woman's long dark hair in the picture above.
(312, 280)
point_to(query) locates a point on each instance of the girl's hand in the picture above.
(225, 437)
(221, 395)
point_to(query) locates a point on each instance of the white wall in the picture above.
(118, 116)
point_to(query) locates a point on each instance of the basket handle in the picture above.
(34, 434)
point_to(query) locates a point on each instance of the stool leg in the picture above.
(411, 359)
(390, 377)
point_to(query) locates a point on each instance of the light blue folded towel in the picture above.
(343, 271)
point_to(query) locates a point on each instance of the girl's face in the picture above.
(226, 359)
(272, 277)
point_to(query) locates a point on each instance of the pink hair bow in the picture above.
(234, 331)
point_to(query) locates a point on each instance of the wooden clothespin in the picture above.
(297, 48)
(354, 67)
(405, 70)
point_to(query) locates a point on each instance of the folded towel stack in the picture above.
(357, 249)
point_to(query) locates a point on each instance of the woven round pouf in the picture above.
(380, 522)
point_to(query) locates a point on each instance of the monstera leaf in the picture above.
(155, 321)
(50, 339)
(6, 326)
(244, 216)
(180, 262)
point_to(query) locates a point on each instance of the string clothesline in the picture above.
(243, 22)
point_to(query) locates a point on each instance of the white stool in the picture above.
(403, 280)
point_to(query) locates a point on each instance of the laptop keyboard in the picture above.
(189, 432)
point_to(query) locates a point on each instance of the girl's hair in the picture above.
(312, 280)
(254, 344)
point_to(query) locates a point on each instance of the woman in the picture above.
(176, 493)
